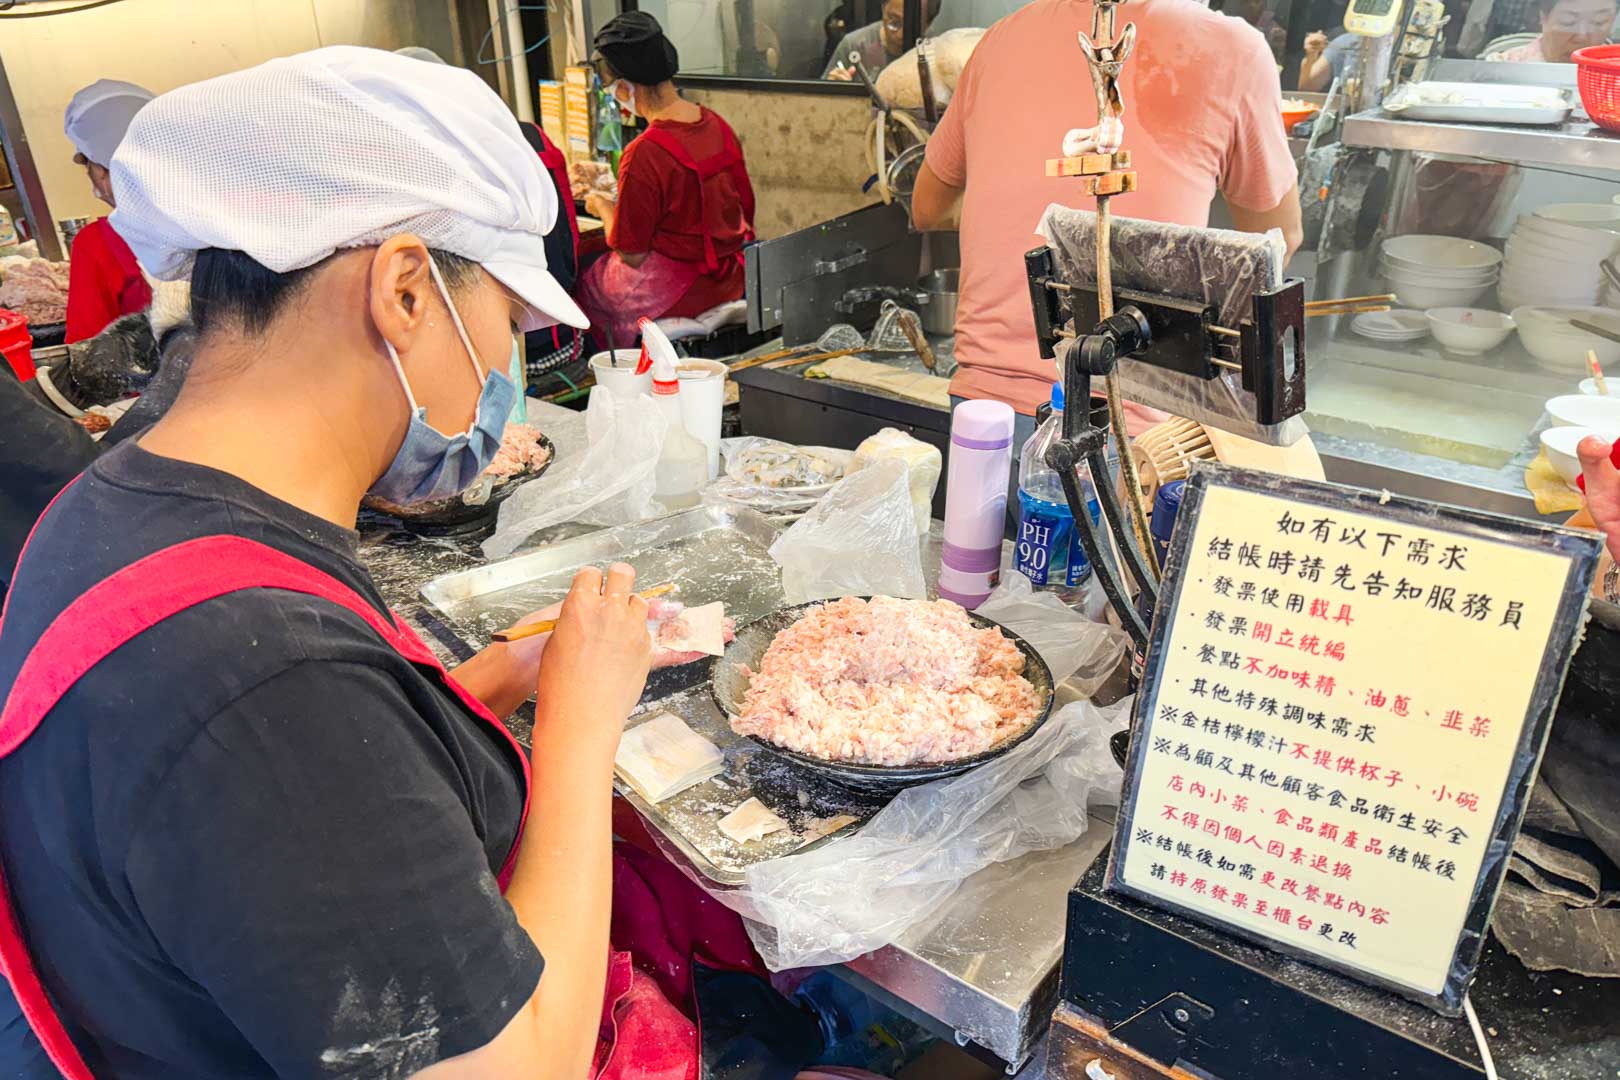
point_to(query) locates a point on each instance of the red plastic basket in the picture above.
(1597, 73)
(16, 344)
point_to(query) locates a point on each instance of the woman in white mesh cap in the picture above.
(248, 827)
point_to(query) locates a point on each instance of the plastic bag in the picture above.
(1073, 646)
(1212, 266)
(778, 479)
(611, 483)
(860, 540)
(840, 336)
(849, 897)
(887, 333)
(924, 462)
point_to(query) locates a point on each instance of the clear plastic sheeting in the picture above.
(1212, 266)
(860, 540)
(847, 898)
(611, 483)
(1074, 647)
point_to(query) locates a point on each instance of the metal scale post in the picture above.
(1167, 332)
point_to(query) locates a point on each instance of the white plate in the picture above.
(1398, 324)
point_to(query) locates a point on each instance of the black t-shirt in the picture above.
(254, 841)
(40, 450)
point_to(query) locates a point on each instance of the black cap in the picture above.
(634, 46)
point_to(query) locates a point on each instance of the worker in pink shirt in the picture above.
(1202, 115)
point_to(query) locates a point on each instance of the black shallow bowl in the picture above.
(731, 686)
(456, 511)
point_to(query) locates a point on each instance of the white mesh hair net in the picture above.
(342, 147)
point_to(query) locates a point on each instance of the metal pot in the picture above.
(939, 314)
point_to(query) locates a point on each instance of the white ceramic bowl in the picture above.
(1433, 295)
(1420, 252)
(1439, 274)
(1582, 410)
(1469, 331)
(1551, 230)
(1589, 387)
(1576, 213)
(1560, 444)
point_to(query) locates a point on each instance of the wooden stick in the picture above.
(1597, 372)
(755, 361)
(546, 626)
(783, 365)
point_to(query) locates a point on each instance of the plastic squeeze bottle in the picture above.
(683, 463)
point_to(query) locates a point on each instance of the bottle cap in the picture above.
(982, 424)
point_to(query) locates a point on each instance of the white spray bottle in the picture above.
(683, 464)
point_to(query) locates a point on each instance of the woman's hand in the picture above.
(1315, 43)
(1602, 482)
(599, 205)
(594, 668)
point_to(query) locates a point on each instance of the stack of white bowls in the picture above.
(1553, 256)
(1438, 271)
(1548, 335)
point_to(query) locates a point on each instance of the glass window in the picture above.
(808, 40)
(790, 39)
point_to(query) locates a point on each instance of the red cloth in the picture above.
(104, 281)
(663, 209)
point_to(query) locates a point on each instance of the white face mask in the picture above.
(630, 91)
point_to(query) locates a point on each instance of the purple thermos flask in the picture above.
(976, 500)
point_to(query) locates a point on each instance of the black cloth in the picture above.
(562, 258)
(635, 48)
(254, 841)
(40, 451)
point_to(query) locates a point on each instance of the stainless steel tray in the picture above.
(710, 553)
(691, 820)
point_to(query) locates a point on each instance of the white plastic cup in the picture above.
(621, 379)
(703, 396)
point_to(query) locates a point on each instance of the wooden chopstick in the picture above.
(546, 626)
(1381, 298)
(1356, 309)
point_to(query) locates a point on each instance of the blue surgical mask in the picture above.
(430, 464)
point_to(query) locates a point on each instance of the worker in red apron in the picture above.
(249, 826)
(104, 280)
(685, 206)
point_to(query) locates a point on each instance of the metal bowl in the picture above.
(731, 686)
(939, 314)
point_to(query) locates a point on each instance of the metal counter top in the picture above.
(982, 969)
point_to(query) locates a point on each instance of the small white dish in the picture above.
(1397, 324)
(1589, 387)
(1469, 331)
(1586, 411)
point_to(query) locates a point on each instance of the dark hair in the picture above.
(231, 287)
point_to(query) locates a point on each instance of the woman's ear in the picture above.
(401, 279)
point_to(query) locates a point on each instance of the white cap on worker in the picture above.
(342, 147)
(98, 116)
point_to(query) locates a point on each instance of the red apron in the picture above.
(642, 1034)
(729, 159)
